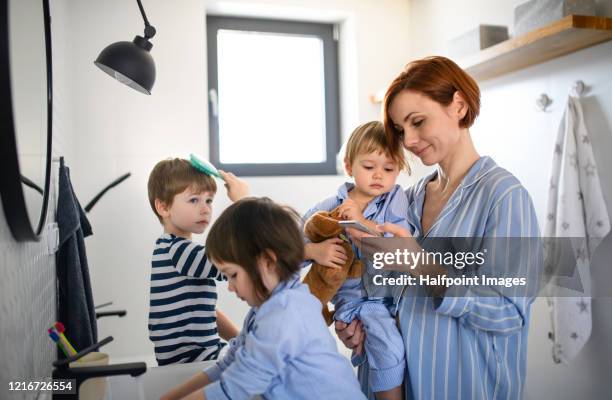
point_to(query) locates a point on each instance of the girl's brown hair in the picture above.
(171, 176)
(249, 229)
(437, 78)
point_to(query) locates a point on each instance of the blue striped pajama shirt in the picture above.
(383, 345)
(469, 347)
(284, 351)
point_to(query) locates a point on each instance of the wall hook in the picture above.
(579, 88)
(543, 102)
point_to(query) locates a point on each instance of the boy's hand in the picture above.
(236, 188)
(350, 210)
(328, 253)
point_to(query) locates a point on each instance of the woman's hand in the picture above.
(397, 231)
(370, 247)
(350, 210)
(328, 253)
(352, 335)
(236, 187)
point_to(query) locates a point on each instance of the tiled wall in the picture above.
(27, 309)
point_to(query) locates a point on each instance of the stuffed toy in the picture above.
(324, 282)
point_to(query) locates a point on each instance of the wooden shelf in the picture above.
(564, 36)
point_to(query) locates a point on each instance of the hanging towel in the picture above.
(75, 300)
(576, 209)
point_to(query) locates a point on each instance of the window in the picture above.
(273, 96)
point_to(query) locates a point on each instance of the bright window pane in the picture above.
(271, 98)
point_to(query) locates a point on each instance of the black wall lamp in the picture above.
(130, 62)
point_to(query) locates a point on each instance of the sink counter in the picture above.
(155, 382)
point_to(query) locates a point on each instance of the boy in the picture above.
(183, 321)
(373, 199)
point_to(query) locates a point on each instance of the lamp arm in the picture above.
(149, 31)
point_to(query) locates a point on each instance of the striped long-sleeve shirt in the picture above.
(182, 316)
(469, 347)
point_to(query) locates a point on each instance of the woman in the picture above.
(457, 346)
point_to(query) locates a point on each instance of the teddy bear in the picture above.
(323, 281)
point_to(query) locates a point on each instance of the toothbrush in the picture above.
(60, 329)
(62, 341)
(202, 165)
(56, 339)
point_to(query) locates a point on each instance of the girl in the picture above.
(284, 350)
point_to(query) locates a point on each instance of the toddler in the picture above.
(373, 199)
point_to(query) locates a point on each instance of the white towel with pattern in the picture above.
(576, 209)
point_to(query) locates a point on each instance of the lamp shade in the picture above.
(130, 63)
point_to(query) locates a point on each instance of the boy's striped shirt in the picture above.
(182, 316)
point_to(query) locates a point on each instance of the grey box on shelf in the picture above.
(479, 38)
(535, 14)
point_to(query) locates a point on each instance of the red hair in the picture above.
(437, 78)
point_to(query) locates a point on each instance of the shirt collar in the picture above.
(346, 187)
(344, 190)
(288, 284)
(481, 167)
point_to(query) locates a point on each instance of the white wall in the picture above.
(116, 130)
(520, 138)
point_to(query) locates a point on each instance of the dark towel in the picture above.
(75, 300)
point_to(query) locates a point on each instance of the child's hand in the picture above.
(352, 335)
(328, 253)
(236, 187)
(350, 210)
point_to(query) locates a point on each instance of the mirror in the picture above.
(25, 80)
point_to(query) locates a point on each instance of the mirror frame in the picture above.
(11, 187)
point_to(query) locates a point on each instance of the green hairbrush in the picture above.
(204, 166)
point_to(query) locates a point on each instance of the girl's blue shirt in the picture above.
(284, 351)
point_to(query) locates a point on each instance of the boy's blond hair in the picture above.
(172, 176)
(370, 137)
